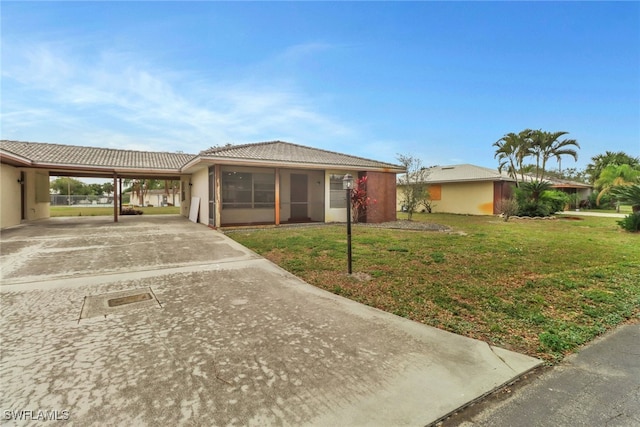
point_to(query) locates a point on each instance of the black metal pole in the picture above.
(349, 230)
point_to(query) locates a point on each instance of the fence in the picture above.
(84, 201)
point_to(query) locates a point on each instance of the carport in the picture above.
(117, 183)
(28, 166)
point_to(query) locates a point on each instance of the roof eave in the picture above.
(14, 159)
(105, 170)
(453, 181)
(284, 164)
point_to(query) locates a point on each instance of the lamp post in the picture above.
(347, 184)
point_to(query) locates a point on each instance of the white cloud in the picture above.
(116, 98)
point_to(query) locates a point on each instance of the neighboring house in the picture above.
(465, 189)
(475, 190)
(582, 190)
(155, 198)
(263, 183)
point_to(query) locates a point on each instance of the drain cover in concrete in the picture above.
(105, 304)
(116, 302)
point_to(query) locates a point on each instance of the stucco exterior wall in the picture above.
(10, 196)
(185, 195)
(36, 181)
(471, 198)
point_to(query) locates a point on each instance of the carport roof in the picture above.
(44, 154)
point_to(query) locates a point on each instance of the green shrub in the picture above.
(130, 211)
(532, 208)
(556, 200)
(534, 199)
(631, 222)
(606, 202)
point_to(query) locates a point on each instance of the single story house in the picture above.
(476, 190)
(582, 190)
(154, 198)
(263, 183)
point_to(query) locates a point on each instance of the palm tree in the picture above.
(534, 189)
(628, 194)
(545, 145)
(511, 151)
(601, 161)
(558, 148)
(615, 176)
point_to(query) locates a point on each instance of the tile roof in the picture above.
(465, 172)
(57, 156)
(558, 183)
(286, 152)
(71, 155)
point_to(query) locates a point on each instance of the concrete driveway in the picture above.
(159, 321)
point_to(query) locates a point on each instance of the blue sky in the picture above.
(440, 81)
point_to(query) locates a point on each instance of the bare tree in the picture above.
(412, 184)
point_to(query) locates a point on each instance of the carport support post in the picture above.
(115, 199)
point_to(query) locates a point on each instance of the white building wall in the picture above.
(200, 188)
(155, 199)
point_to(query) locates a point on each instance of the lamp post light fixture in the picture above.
(347, 184)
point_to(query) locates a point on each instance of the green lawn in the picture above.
(108, 211)
(539, 287)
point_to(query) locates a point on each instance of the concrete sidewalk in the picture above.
(205, 332)
(597, 214)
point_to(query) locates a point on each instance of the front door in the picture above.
(299, 199)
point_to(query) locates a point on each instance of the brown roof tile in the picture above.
(57, 154)
(286, 152)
